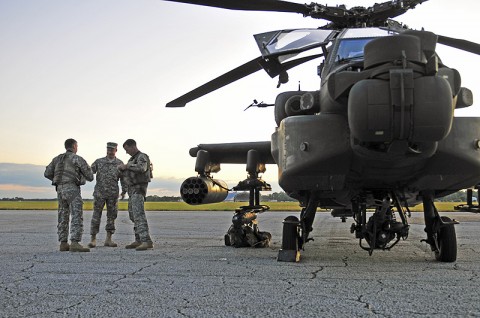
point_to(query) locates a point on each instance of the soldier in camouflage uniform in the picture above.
(68, 172)
(106, 192)
(137, 174)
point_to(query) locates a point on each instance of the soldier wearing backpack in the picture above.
(68, 171)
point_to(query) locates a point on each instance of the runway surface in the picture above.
(190, 273)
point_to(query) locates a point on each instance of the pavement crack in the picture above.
(23, 270)
(115, 283)
(64, 310)
(290, 286)
(179, 311)
(365, 304)
(144, 267)
(314, 273)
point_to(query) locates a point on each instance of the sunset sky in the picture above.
(103, 70)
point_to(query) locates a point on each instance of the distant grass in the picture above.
(181, 206)
(441, 206)
(149, 206)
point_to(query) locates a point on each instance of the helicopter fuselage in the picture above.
(379, 134)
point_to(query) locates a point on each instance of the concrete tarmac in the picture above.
(190, 273)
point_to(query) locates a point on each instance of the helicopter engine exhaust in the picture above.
(203, 190)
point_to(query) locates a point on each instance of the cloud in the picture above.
(27, 181)
(165, 187)
(22, 188)
(23, 174)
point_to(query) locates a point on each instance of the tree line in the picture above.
(459, 196)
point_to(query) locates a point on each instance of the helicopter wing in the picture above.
(236, 152)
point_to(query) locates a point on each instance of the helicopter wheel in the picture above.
(446, 242)
(290, 241)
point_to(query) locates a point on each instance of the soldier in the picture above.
(106, 192)
(137, 174)
(68, 172)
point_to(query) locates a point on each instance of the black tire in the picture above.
(447, 242)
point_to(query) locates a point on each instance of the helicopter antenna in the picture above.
(299, 86)
(257, 104)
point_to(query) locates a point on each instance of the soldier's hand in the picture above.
(122, 196)
(122, 167)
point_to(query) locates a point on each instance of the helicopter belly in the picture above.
(312, 152)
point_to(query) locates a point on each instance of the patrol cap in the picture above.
(112, 145)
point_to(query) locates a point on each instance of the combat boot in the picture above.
(108, 240)
(77, 247)
(93, 242)
(133, 245)
(64, 247)
(144, 246)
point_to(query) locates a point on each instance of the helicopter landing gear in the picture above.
(446, 241)
(382, 231)
(295, 233)
(441, 234)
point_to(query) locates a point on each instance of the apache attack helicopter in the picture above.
(378, 136)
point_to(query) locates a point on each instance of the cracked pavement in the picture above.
(190, 273)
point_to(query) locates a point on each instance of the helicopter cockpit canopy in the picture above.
(279, 46)
(291, 42)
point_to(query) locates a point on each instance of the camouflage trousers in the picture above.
(69, 203)
(136, 212)
(112, 212)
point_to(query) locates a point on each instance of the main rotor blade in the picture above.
(251, 5)
(225, 79)
(234, 75)
(460, 44)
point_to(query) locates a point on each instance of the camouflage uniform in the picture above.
(68, 172)
(106, 192)
(137, 175)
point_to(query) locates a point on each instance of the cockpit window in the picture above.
(350, 49)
